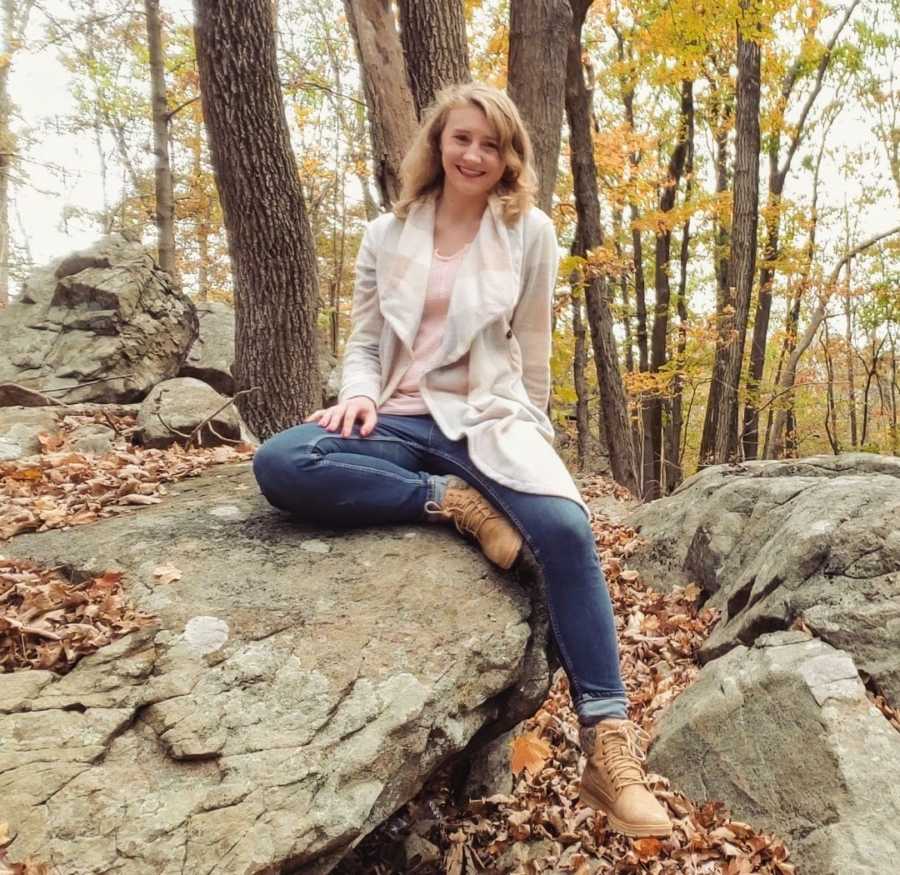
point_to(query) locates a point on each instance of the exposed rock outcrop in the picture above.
(783, 732)
(103, 324)
(772, 541)
(300, 686)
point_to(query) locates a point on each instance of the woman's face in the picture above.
(470, 152)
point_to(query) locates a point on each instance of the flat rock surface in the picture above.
(299, 686)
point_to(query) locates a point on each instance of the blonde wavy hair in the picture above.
(422, 174)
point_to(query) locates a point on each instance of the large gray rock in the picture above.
(211, 357)
(103, 324)
(773, 541)
(176, 407)
(300, 686)
(784, 734)
(19, 430)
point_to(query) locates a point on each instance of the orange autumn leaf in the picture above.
(647, 848)
(528, 751)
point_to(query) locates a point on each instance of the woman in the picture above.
(441, 414)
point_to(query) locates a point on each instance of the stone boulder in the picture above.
(784, 734)
(103, 324)
(211, 358)
(176, 407)
(299, 687)
(19, 430)
(771, 542)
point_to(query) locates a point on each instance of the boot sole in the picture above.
(633, 830)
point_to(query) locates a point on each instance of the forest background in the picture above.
(648, 305)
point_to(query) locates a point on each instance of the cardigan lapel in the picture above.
(484, 289)
(402, 295)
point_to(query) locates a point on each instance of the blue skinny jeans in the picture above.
(388, 476)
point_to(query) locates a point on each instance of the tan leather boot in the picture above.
(472, 513)
(614, 781)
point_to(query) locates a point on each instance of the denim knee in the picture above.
(565, 527)
(279, 461)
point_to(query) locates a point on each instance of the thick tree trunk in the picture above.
(613, 400)
(538, 41)
(745, 218)
(660, 331)
(433, 35)
(392, 112)
(165, 200)
(269, 238)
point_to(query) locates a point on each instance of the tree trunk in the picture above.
(392, 112)
(538, 41)
(269, 238)
(433, 35)
(579, 362)
(675, 473)
(721, 109)
(589, 235)
(745, 218)
(660, 331)
(623, 285)
(831, 426)
(165, 201)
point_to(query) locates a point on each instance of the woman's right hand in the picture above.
(345, 413)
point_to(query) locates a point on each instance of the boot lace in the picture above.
(623, 754)
(468, 512)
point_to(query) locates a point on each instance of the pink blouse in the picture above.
(406, 399)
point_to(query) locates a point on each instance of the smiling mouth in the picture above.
(471, 174)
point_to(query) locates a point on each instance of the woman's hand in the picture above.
(344, 414)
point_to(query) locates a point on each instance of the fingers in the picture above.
(354, 408)
(342, 416)
(369, 420)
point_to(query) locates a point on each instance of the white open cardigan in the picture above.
(490, 383)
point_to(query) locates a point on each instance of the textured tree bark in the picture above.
(538, 42)
(579, 362)
(589, 234)
(660, 330)
(745, 218)
(674, 472)
(433, 35)
(269, 238)
(392, 112)
(165, 200)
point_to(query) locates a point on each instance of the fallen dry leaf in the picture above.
(528, 751)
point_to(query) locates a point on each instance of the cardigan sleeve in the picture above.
(531, 322)
(361, 370)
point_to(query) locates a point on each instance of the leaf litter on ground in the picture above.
(60, 487)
